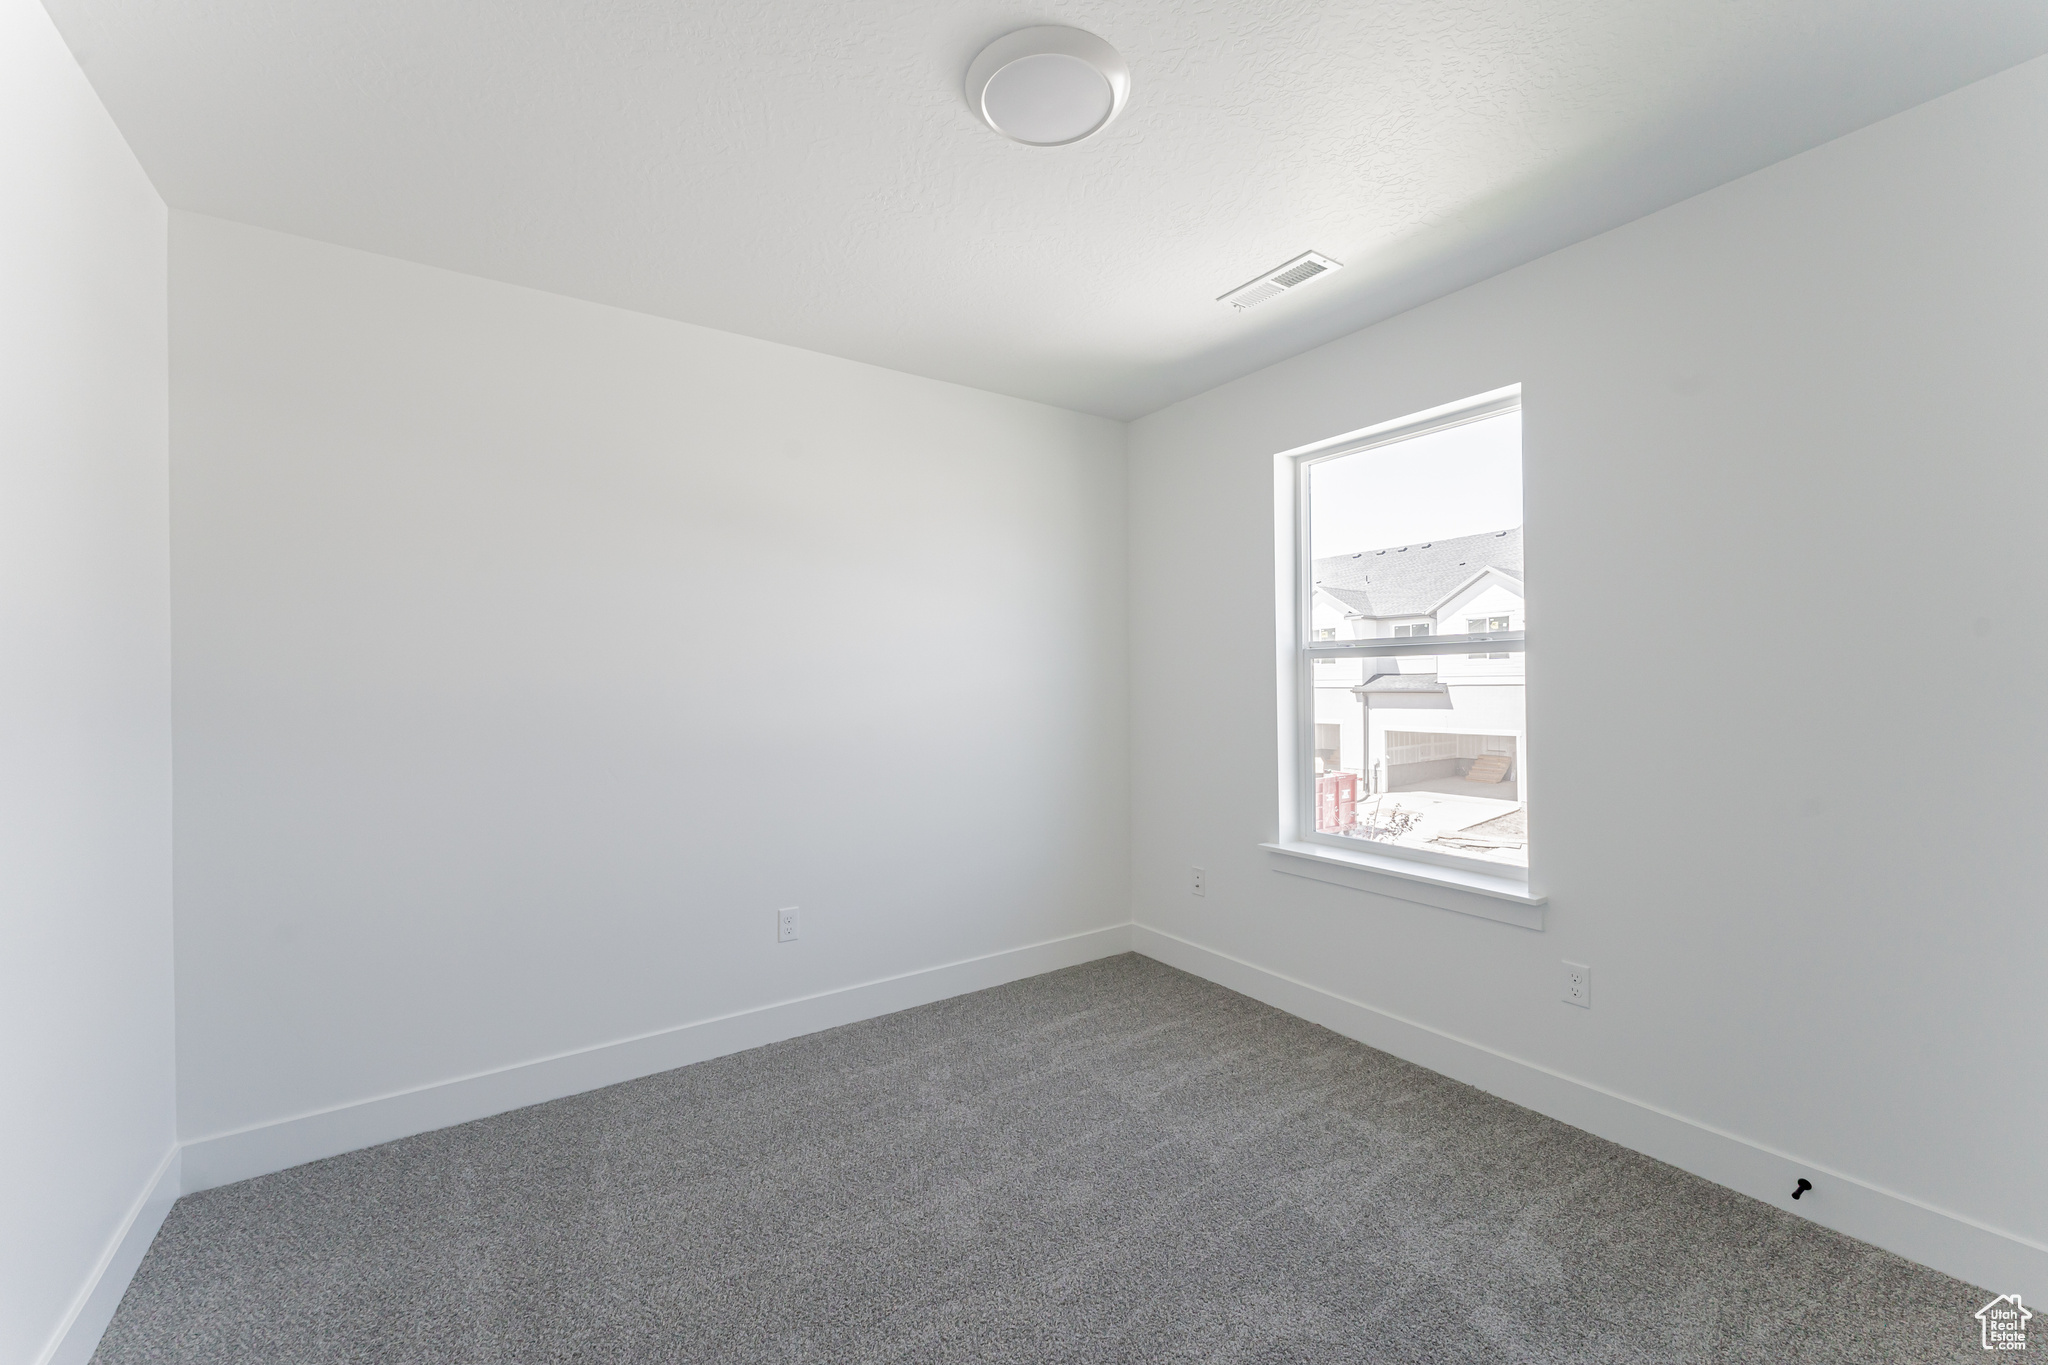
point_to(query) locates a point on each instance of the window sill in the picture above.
(1446, 888)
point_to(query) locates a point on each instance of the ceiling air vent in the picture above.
(1281, 278)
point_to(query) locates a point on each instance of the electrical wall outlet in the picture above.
(1200, 882)
(786, 925)
(1578, 985)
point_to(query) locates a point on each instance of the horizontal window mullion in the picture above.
(1497, 642)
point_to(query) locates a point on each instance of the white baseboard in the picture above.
(78, 1335)
(2002, 1262)
(226, 1157)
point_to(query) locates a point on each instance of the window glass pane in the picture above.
(1421, 538)
(1427, 756)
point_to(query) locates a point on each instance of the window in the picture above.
(1329, 747)
(1413, 738)
(1481, 625)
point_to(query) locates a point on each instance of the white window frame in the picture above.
(1307, 649)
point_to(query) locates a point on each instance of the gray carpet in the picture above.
(1113, 1163)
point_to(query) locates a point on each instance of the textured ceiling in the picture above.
(808, 170)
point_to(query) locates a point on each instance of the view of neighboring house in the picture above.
(1423, 750)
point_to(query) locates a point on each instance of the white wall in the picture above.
(1803, 855)
(85, 917)
(531, 653)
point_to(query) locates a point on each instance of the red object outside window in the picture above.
(1336, 802)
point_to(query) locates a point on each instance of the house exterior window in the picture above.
(1329, 747)
(1413, 736)
(1481, 625)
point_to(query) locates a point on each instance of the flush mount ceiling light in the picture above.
(1048, 86)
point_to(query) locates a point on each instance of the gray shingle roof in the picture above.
(1407, 580)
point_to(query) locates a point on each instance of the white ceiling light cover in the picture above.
(1048, 86)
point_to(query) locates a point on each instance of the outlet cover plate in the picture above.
(1578, 985)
